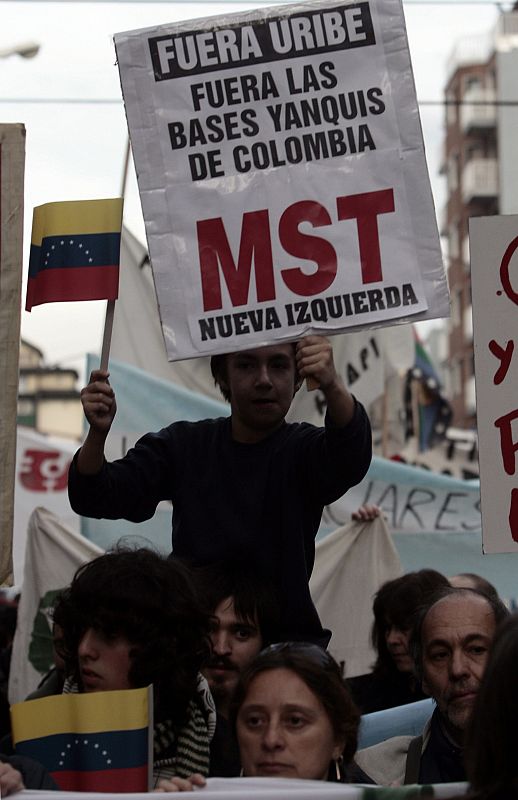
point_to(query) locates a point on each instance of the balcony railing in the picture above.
(469, 50)
(467, 325)
(478, 110)
(480, 179)
(470, 401)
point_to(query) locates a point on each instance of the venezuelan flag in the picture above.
(75, 248)
(98, 742)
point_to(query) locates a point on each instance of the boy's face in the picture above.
(104, 661)
(261, 384)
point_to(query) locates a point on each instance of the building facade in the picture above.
(480, 162)
(48, 399)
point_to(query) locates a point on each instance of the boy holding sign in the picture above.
(249, 486)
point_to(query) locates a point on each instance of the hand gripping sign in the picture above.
(282, 174)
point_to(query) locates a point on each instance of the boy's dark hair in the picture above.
(252, 594)
(218, 368)
(396, 603)
(153, 603)
(500, 612)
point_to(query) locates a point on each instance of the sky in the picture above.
(76, 150)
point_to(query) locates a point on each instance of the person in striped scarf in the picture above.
(131, 618)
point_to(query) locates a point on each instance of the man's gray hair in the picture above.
(416, 645)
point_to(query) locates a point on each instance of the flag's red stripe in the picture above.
(133, 779)
(81, 283)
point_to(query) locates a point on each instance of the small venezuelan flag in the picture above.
(75, 249)
(98, 742)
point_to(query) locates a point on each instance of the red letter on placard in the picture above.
(513, 515)
(504, 271)
(310, 248)
(214, 251)
(365, 209)
(504, 356)
(507, 447)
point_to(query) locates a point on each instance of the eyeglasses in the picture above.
(314, 652)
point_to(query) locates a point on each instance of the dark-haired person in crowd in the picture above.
(450, 642)
(131, 618)
(244, 618)
(295, 717)
(470, 580)
(52, 682)
(392, 681)
(8, 616)
(250, 487)
(490, 752)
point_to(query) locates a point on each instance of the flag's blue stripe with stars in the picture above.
(93, 751)
(83, 250)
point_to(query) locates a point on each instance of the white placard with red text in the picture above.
(282, 174)
(494, 281)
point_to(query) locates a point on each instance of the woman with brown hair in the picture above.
(392, 681)
(295, 717)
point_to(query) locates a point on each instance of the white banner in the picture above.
(54, 553)
(282, 174)
(494, 282)
(40, 480)
(261, 789)
(350, 566)
(12, 162)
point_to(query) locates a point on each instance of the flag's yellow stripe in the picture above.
(80, 713)
(76, 216)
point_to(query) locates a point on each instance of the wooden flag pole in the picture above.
(107, 335)
(110, 305)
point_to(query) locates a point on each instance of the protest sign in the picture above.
(12, 161)
(494, 281)
(282, 174)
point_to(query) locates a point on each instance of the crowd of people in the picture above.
(225, 629)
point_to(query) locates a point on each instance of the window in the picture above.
(471, 82)
(453, 241)
(456, 377)
(453, 172)
(451, 108)
(456, 308)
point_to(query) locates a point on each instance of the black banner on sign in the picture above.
(324, 31)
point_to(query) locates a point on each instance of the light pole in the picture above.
(25, 50)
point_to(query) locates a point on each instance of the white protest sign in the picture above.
(282, 174)
(494, 283)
